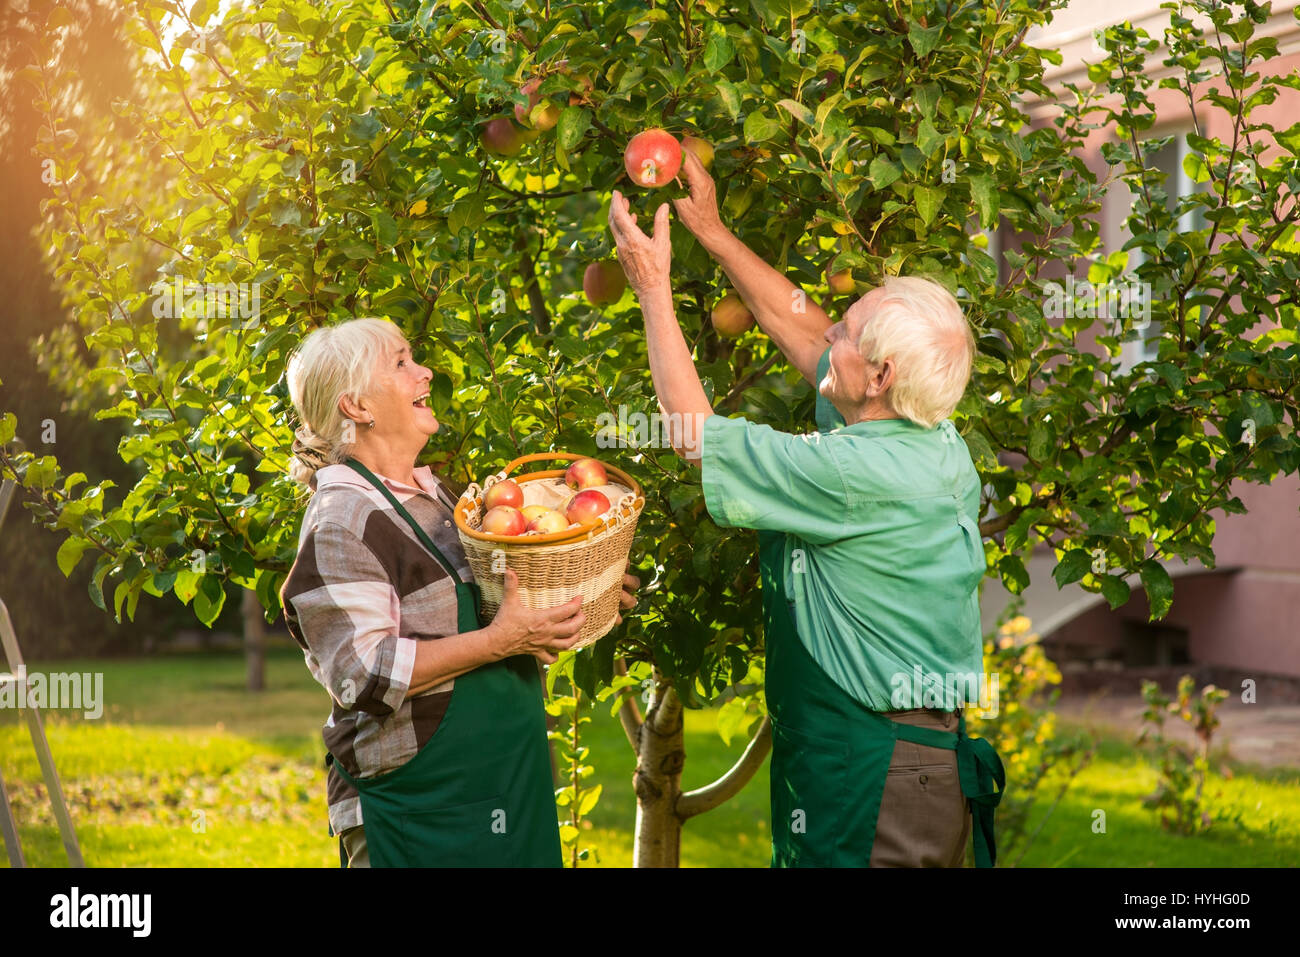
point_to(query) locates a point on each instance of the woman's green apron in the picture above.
(480, 792)
(831, 756)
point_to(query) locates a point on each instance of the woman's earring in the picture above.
(370, 424)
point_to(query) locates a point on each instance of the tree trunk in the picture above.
(254, 640)
(658, 779)
(661, 806)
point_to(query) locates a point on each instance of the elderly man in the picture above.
(870, 551)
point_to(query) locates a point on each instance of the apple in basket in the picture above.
(548, 522)
(586, 507)
(533, 512)
(504, 520)
(585, 473)
(503, 493)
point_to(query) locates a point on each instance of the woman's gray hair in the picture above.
(919, 325)
(332, 362)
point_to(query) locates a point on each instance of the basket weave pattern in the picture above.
(550, 574)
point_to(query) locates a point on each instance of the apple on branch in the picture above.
(604, 282)
(653, 158)
(731, 316)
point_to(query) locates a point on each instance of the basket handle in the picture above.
(540, 457)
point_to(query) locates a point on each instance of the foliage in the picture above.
(329, 153)
(1179, 797)
(1021, 725)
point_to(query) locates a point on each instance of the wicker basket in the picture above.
(589, 561)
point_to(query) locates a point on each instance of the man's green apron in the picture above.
(831, 756)
(480, 792)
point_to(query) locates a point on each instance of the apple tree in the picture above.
(319, 161)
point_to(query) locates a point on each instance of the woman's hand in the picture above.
(542, 633)
(646, 259)
(699, 211)
(627, 600)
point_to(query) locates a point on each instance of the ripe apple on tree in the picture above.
(545, 118)
(507, 492)
(653, 158)
(702, 149)
(502, 137)
(604, 282)
(841, 282)
(585, 473)
(504, 520)
(731, 316)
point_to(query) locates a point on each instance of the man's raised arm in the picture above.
(793, 321)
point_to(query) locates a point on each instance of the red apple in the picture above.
(504, 520)
(546, 118)
(731, 317)
(583, 81)
(549, 523)
(652, 158)
(586, 507)
(502, 137)
(604, 282)
(702, 149)
(840, 282)
(504, 493)
(585, 473)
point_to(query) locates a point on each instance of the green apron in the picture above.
(831, 755)
(480, 792)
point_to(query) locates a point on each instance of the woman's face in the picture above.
(400, 401)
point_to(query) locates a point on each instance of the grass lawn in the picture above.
(187, 769)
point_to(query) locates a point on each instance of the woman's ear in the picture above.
(351, 410)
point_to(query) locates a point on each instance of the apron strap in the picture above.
(978, 768)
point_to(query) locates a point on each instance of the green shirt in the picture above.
(883, 555)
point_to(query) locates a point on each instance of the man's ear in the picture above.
(882, 380)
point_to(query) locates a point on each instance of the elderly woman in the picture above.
(437, 748)
(869, 545)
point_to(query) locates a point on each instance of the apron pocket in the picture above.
(467, 835)
(809, 795)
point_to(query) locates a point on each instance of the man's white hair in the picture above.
(918, 324)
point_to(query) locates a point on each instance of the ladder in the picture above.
(9, 644)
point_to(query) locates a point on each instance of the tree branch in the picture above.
(691, 803)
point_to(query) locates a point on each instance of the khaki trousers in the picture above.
(925, 820)
(353, 841)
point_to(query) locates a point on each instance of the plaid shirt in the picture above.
(360, 594)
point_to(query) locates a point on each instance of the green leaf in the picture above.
(209, 600)
(982, 191)
(385, 228)
(587, 800)
(923, 39)
(718, 52)
(1072, 566)
(1014, 574)
(8, 426)
(70, 553)
(798, 111)
(882, 172)
(1159, 587)
(1115, 590)
(729, 95)
(574, 122)
(928, 201)
(759, 128)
